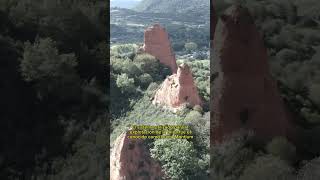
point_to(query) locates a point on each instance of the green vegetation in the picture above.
(310, 170)
(268, 167)
(135, 77)
(184, 21)
(190, 46)
(179, 159)
(53, 89)
(131, 74)
(229, 159)
(174, 6)
(239, 158)
(282, 148)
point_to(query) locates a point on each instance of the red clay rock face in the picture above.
(130, 160)
(244, 95)
(178, 89)
(157, 43)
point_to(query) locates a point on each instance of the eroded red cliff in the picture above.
(244, 95)
(130, 160)
(178, 89)
(157, 43)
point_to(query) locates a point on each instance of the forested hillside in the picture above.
(174, 6)
(127, 26)
(53, 89)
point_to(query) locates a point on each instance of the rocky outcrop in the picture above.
(177, 90)
(157, 43)
(130, 160)
(244, 95)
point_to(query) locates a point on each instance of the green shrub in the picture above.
(145, 79)
(183, 110)
(124, 50)
(230, 158)
(310, 116)
(42, 60)
(287, 55)
(150, 65)
(152, 86)
(178, 158)
(50, 72)
(193, 116)
(272, 26)
(282, 148)
(125, 83)
(200, 127)
(314, 93)
(198, 108)
(130, 68)
(120, 65)
(190, 46)
(310, 171)
(147, 63)
(266, 168)
(151, 90)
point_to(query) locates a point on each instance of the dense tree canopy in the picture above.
(53, 79)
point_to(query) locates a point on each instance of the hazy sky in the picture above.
(126, 0)
(129, 4)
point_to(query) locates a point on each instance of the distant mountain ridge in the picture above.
(174, 6)
(128, 4)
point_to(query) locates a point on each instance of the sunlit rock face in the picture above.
(157, 43)
(244, 94)
(130, 160)
(177, 90)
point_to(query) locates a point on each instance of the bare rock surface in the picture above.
(177, 90)
(130, 160)
(244, 95)
(157, 43)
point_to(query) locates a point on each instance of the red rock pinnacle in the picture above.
(157, 43)
(178, 89)
(130, 160)
(244, 95)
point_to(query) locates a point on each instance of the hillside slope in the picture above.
(128, 4)
(173, 6)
